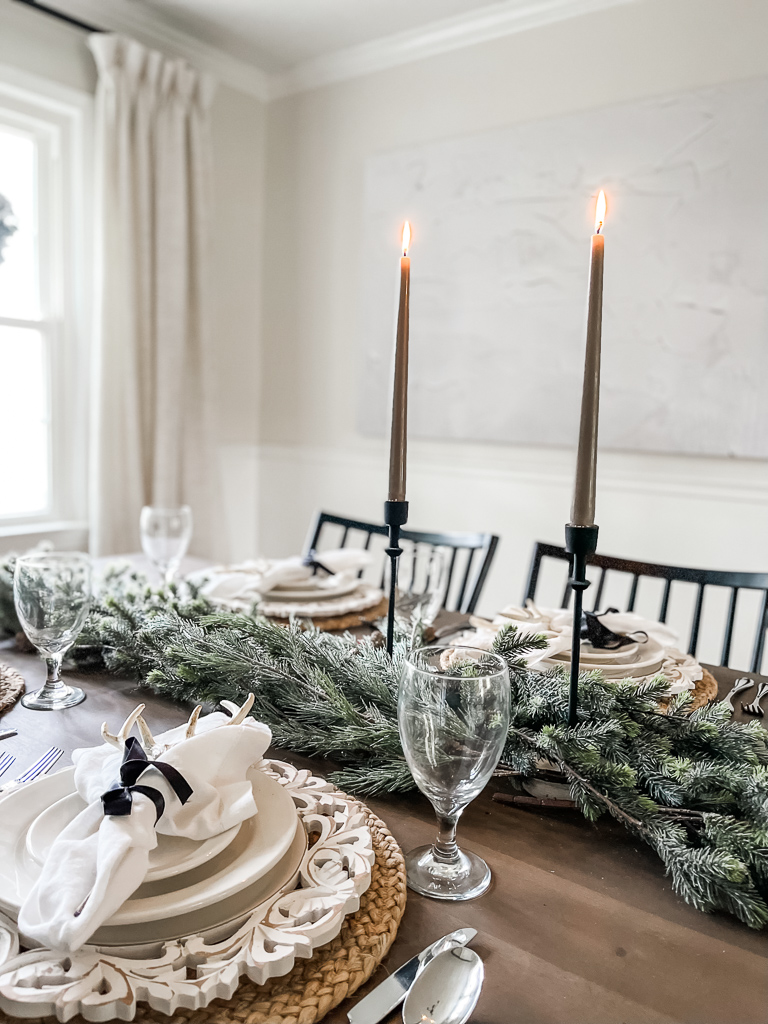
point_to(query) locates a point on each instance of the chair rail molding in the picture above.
(739, 481)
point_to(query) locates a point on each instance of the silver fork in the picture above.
(6, 760)
(46, 762)
(754, 708)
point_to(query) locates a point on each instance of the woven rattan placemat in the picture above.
(349, 621)
(12, 686)
(704, 691)
(315, 986)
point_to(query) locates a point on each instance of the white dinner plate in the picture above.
(616, 656)
(173, 855)
(259, 845)
(647, 661)
(321, 591)
(216, 921)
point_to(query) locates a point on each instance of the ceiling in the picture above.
(280, 34)
(272, 48)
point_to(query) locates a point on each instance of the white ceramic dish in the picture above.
(173, 855)
(319, 592)
(590, 655)
(259, 845)
(617, 656)
(364, 596)
(219, 919)
(648, 661)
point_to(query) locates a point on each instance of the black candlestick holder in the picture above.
(395, 516)
(581, 542)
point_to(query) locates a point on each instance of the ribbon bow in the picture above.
(119, 799)
(312, 563)
(603, 638)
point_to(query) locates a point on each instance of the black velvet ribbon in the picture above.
(311, 561)
(593, 630)
(118, 800)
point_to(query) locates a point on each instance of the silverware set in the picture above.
(441, 984)
(40, 767)
(740, 686)
(754, 708)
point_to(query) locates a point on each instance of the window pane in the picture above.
(23, 422)
(19, 292)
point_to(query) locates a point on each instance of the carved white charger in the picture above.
(106, 984)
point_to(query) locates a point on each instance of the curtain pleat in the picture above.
(152, 437)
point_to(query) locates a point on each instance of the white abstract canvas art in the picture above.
(500, 257)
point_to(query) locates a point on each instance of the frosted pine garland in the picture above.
(692, 786)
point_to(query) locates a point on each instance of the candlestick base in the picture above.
(581, 542)
(395, 516)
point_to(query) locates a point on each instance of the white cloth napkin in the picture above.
(250, 581)
(99, 860)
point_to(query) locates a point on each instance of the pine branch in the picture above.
(693, 786)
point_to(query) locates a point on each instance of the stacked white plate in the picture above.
(205, 888)
(638, 660)
(321, 596)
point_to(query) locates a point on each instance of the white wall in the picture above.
(287, 375)
(696, 511)
(238, 130)
(53, 51)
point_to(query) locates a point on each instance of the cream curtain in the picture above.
(151, 438)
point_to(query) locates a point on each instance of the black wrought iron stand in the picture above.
(395, 516)
(581, 542)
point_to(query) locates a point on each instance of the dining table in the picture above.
(580, 925)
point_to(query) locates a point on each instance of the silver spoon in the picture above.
(742, 684)
(447, 990)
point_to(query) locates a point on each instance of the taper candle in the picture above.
(399, 437)
(583, 509)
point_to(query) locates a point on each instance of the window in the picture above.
(43, 303)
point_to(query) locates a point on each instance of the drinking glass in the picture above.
(52, 594)
(165, 536)
(422, 583)
(453, 715)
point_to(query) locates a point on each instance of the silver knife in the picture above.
(393, 990)
(7, 734)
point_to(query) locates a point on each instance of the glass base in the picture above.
(53, 699)
(463, 879)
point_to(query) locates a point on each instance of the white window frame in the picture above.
(62, 121)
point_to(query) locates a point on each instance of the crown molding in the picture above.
(484, 24)
(130, 19)
(479, 26)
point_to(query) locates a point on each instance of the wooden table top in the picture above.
(580, 924)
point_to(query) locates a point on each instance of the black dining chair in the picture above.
(735, 581)
(469, 561)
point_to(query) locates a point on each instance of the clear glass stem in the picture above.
(53, 681)
(445, 848)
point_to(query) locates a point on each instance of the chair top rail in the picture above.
(455, 540)
(707, 577)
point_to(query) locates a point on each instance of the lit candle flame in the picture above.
(600, 212)
(406, 237)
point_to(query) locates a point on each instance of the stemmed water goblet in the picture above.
(453, 715)
(52, 594)
(422, 583)
(165, 537)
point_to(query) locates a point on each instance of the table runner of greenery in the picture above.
(693, 786)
